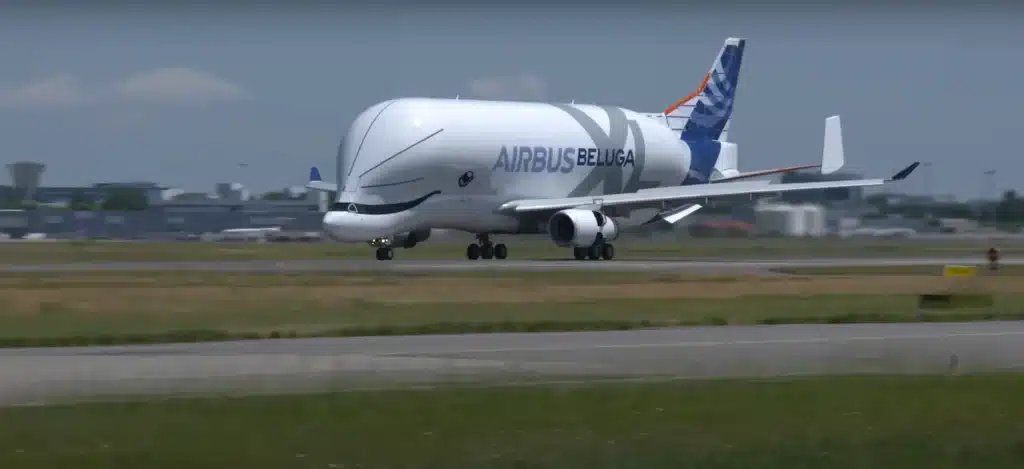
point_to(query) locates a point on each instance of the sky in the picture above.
(191, 94)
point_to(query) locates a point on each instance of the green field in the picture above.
(950, 422)
(140, 307)
(94, 251)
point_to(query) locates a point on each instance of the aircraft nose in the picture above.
(344, 227)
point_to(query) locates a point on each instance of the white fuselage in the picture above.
(416, 164)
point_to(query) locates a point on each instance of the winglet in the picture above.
(832, 158)
(314, 174)
(905, 172)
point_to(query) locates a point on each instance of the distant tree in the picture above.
(274, 196)
(123, 198)
(79, 202)
(1009, 209)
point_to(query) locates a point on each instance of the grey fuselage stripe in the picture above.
(619, 129)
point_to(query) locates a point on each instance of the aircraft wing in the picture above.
(654, 197)
(765, 172)
(832, 159)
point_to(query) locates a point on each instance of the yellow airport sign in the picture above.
(959, 271)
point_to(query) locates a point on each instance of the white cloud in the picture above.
(517, 87)
(56, 91)
(164, 86)
(177, 86)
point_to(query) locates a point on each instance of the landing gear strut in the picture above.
(483, 248)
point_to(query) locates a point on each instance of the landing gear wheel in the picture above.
(607, 252)
(473, 252)
(579, 253)
(487, 251)
(500, 251)
(594, 253)
(385, 254)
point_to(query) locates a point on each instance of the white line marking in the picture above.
(710, 343)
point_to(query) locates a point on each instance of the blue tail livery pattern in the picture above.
(703, 157)
(715, 100)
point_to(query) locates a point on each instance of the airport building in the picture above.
(32, 207)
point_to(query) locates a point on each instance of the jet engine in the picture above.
(581, 228)
(412, 238)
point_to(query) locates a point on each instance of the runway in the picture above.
(508, 265)
(42, 376)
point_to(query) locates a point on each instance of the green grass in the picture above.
(187, 278)
(950, 422)
(299, 318)
(94, 251)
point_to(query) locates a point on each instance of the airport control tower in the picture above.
(26, 175)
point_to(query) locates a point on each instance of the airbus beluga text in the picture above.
(583, 174)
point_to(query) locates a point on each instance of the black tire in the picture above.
(594, 253)
(487, 251)
(473, 252)
(385, 254)
(500, 251)
(579, 253)
(607, 252)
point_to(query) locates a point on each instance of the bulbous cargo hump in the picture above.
(611, 149)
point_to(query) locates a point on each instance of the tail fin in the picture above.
(710, 105)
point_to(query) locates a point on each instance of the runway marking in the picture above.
(713, 343)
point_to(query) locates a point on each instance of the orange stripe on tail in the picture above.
(690, 96)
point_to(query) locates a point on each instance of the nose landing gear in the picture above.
(384, 250)
(385, 253)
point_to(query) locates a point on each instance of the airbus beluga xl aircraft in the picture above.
(582, 174)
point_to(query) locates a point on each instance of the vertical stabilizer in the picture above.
(705, 113)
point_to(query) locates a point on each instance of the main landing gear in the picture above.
(483, 248)
(604, 251)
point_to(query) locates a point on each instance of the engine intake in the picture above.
(581, 228)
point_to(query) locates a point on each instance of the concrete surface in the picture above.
(702, 265)
(41, 376)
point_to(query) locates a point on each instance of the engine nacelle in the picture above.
(411, 239)
(581, 228)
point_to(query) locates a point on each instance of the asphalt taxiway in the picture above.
(42, 376)
(625, 265)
